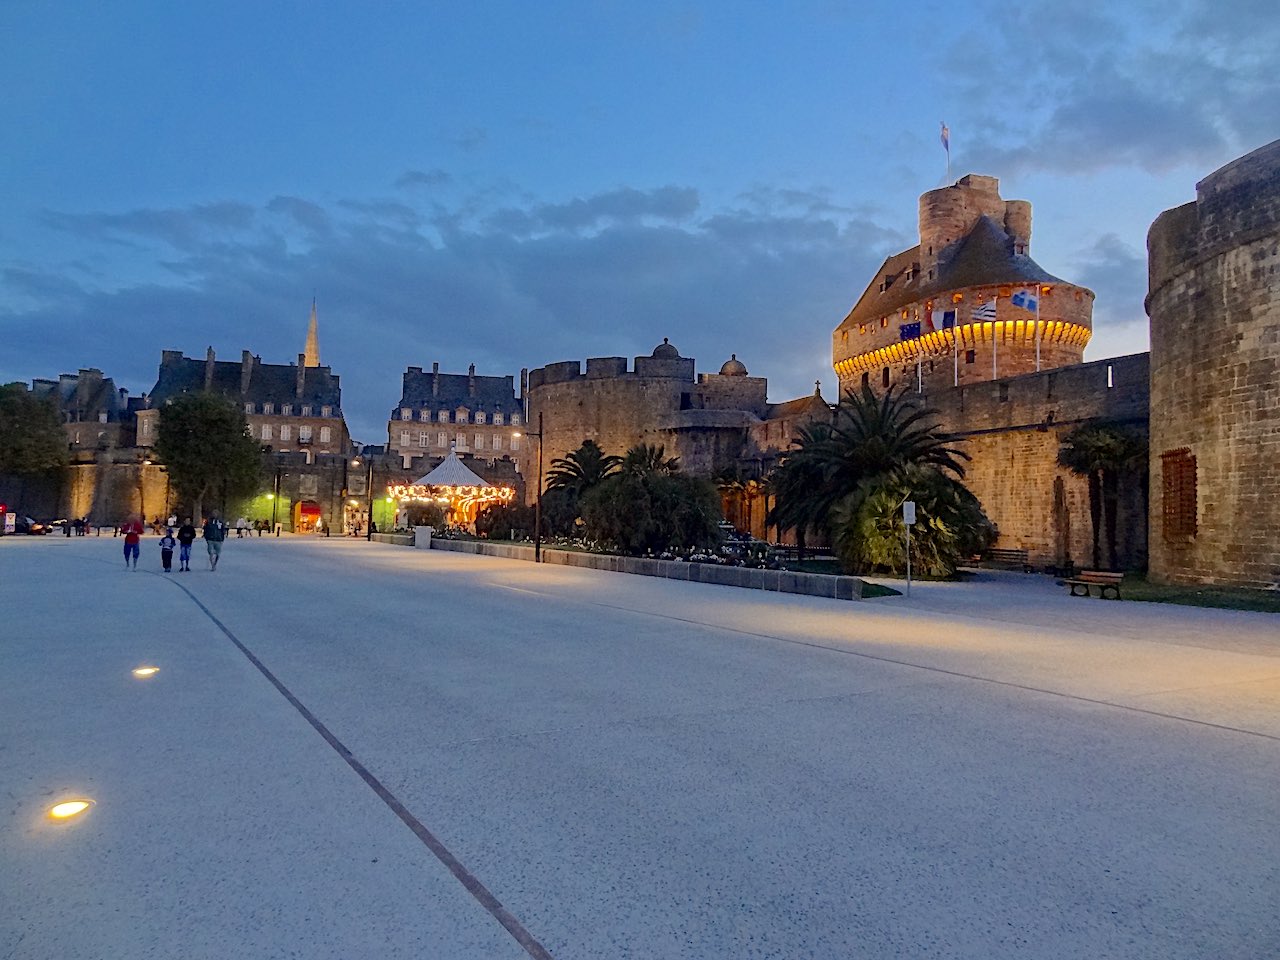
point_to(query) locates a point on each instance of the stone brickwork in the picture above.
(1013, 429)
(1214, 305)
(954, 309)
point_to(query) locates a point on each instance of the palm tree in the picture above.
(645, 459)
(1104, 454)
(582, 469)
(870, 437)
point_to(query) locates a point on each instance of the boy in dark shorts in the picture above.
(167, 543)
(186, 537)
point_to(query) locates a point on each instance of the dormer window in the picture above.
(248, 408)
(425, 416)
(406, 413)
(479, 416)
(515, 419)
(306, 412)
(463, 415)
(326, 411)
(497, 419)
(286, 410)
(268, 408)
(444, 416)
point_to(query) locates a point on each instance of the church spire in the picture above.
(312, 356)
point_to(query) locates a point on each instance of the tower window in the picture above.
(884, 377)
(971, 356)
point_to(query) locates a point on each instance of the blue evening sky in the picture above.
(510, 184)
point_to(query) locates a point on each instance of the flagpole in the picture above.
(955, 346)
(1037, 328)
(995, 301)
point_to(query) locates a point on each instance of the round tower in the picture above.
(1214, 307)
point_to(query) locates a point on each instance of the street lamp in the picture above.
(537, 508)
(368, 489)
(275, 500)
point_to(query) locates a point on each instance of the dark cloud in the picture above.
(610, 274)
(422, 178)
(1087, 86)
(1117, 274)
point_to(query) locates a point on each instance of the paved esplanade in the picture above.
(546, 761)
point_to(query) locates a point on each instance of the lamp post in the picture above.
(368, 490)
(537, 504)
(275, 500)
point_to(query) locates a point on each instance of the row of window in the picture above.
(286, 410)
(442, 440)
(304, 433)
(461, 415)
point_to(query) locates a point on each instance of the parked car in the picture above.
(28, 525)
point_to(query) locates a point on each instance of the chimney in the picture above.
(524, 382)
(435, 379)
(302, 373)
(208, 369)
(471, 380)
(246, 371)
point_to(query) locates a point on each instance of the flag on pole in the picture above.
(1026, 300)
(985, 312)
(907, 331)
(946, 137)
(942, 320)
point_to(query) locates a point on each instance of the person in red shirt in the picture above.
(132, 531)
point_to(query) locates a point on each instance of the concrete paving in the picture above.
(357, 750)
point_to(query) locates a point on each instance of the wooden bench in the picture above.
(1102, 579)
(1016, 559)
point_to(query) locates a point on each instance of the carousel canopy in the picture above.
(451, 473)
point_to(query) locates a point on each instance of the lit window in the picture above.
(286, 432)
(497, 419)
(515, 419)
(442, 439)
(404, 438)
(304, 434)
(146, 428)
(444, 416)
(515, 444)
(480, 416)
(425, 416)
(266, 431)
(325, 434)
(497, 441)
(422, 438)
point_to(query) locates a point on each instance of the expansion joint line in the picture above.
(478, 890)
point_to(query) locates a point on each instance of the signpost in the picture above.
(908, 518)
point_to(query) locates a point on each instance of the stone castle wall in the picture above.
(1013, 429)
(1214, 305)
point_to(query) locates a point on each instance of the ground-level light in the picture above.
(69, 808)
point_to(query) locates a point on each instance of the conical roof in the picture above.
(451, 473)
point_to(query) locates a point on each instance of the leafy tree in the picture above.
(650, 507)
(32, 439)
(1105, 454)
(202, 441)
(582, 469)
(502, 520)
(425, 515)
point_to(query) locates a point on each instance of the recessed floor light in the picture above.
(69, 808)
(143, 672)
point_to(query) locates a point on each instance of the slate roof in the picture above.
(270, 382)
(454, 390)
(812, 404)
(984, 257)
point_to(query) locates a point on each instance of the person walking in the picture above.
(241, 526)
(167, 543)
(132, 530)
(186, 537)
(214, 534)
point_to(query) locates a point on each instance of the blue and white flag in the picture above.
(943, 319)
(986, 311)
(907, 331)
(1026, 299)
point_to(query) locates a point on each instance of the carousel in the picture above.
(461, 492)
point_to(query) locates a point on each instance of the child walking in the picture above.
(167, 543)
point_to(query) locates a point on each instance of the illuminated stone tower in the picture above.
(312, 354)
(967, 304)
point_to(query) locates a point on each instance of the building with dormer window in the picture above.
(476, 416)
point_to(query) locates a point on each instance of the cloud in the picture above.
(1117, 274)
(422, 178)
(401, 284)
(1089, 86)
